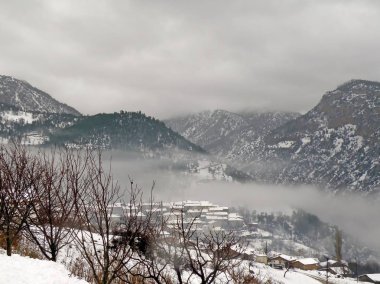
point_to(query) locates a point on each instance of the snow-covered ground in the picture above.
(332, 278)
(24, 270)
(266, 273)
(296, 276)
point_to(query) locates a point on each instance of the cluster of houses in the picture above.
(204, 215)
(332, 267)
(283, 261)
(286, 261)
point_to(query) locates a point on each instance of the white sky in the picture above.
(169, 57)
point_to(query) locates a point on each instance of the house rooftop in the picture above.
(217, 213)
(194, 203)
(373, 277)
(218, 208)
(260, 254)
(308, 261)
(212, 217)
(331, 262)
(286, 257)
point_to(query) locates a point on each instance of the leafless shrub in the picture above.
(78, 267)
(26, 248)
(240, 275)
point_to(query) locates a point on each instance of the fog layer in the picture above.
(356, 215)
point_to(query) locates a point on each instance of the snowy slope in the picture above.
(235, 136)
(22, 95)
(267, 274)
(336, 144)
(30, 128)
(23, 270)
(18, 117)
(295, 276)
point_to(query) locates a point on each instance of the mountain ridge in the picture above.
(335, 145)
(122, 130)
(21, 94)
(227, 134)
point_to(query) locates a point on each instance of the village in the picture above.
(206, 216)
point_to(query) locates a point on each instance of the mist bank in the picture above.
(354, 214)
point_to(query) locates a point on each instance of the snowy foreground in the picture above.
(24, 270)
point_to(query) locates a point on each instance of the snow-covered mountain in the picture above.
(22, 95)
(132, 131)
(237, 138)
(336, 144)
(234, 136)
(33, 117)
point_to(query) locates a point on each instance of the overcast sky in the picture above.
(170, 57)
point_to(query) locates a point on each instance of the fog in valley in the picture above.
(354, 214)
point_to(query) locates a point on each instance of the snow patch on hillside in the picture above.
(18, 116)
(282, 145)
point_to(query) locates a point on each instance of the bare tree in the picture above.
(150, 262)
(193, 253)
(66, 195)
(18, 171)
(213, 254)
(54, 201)
(107, 244)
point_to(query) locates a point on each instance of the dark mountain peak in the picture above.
(355, 85)
(336, 143)
(122, 130)
(354, 93)
(21, 94)
(356, 103)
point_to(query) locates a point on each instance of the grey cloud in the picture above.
(169, 57)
